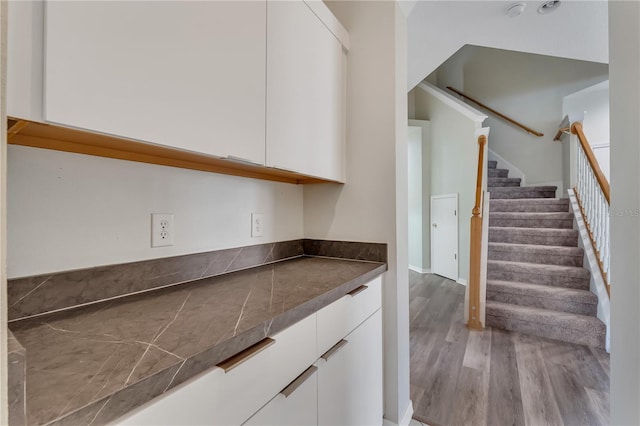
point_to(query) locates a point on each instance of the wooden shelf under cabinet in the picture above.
(59, 138)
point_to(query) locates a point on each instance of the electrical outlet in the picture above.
(257, 225)
(161, 229)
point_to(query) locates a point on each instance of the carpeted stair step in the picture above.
(523, 192)
(533, 273)
(537, 236)
(544, 255)
(573, 328)
(536, 205)
(531, 220)
(494, 182)
(498, 173)
(492, 164)
(562, 299)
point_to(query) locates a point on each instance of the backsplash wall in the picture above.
(69, 211)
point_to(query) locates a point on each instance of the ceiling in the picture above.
(437, 29)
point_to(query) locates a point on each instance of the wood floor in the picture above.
(495, 377)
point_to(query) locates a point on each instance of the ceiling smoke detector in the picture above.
(515, 9)
(549, 6)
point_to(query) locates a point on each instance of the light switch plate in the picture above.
(257, 225)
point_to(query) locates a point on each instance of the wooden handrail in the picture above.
(476, 245)
(493, 111)
(576, 129)
(563, 129)
(482, 140)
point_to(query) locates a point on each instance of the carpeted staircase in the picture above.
(535, 280)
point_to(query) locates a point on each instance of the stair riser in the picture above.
(496, 236)
(549, 258)
(492, 164)
(518, 207)
(542, 302)
(498, 173)
(497, 273)
(502, 184)
(510, 195)
(531, 223)
(581, 337)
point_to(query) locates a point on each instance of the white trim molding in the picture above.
(406, 419)
(419, 270)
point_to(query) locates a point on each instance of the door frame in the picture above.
(441, 196)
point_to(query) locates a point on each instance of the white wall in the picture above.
(529, 88)
(69, 211)
(4, 415)
(414, 171)
(578, 29)
(425, 195)
(453, 162)
(372, 206)
(624, 73)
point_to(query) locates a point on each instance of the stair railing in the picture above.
(475, 260)
(593, 195)
(496, 113)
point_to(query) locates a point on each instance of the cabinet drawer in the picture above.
(217, 397)
(296, 405)
(341, 317)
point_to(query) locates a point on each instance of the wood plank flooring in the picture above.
(495, 377)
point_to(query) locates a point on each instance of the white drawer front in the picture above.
(219, 398)
(341, 317)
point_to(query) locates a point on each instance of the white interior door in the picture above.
(444, 235)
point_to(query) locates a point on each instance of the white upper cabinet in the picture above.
(185, 74)
(306, 82)
(24, 59)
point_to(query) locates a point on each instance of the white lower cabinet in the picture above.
(217, 397)
(286, 382)
(350, 378)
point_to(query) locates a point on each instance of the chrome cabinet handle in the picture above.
(331, 352)
(237, 359)
(298, 381)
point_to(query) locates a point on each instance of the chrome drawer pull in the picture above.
(357, 290)
(237, 359)
(331, 352)
(298, 381)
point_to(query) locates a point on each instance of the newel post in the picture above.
(476, 245)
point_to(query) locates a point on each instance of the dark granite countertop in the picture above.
(93, 364)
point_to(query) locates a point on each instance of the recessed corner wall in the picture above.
(453, 162)
(372, 205)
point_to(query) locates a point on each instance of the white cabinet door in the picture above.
(305, 92)
(25, 29)
(185, 74)
(350, 380)
(297, 405)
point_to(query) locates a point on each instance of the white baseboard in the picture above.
(406, 419)
(462, 281)
(419, 270)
